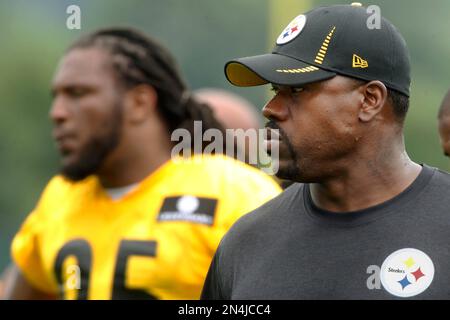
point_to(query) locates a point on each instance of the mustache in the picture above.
(271, 124)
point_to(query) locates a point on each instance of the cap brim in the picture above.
(273, 68)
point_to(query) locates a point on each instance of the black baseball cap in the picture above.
(324, 42)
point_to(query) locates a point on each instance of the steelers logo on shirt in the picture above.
(407, 272)
(188, 208)
(292, 30)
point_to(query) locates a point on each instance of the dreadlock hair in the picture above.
(138, 59)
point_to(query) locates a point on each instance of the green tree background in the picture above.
(202, 34)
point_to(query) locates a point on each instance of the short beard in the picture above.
(95, 151)
(291, 171)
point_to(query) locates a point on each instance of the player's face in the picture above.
(318, 125)
(86, 111)
(444, 132)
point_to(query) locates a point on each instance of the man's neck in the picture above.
(365, 183)
(131, 172)
(132, 162)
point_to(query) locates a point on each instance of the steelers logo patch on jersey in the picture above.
(188, 208)
(407, 272)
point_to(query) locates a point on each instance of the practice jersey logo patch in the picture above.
(407, 272)
(188, 208)
(292, 30)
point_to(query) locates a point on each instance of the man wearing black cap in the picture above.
(363, 221)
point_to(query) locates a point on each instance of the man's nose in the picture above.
(58, 111)
(275, 109)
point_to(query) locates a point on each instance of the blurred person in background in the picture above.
(444, 124)
(123, 220)
(232, 110)
(235, 112)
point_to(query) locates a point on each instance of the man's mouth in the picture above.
(272, 134)
(272, 139)
(64, 142)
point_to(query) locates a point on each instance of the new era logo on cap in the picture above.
(325, 42)
(359, 62)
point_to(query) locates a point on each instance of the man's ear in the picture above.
(374, 98)
(140, 103)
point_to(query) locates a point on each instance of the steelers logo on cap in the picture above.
(407, 272)
(292, 30)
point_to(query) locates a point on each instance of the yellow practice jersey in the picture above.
(156, 242)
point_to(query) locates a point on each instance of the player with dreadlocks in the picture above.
(124, 220)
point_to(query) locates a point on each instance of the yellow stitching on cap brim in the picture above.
(301, 70)
(241, 76)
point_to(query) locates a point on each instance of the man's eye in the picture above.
(296, 90)
(77, 92)
(292, 90)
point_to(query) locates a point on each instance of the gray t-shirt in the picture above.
(290, 249)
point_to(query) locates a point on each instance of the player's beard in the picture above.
(96, 150)
(288, 167)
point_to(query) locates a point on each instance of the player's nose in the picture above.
(275, 109)
(58, 111)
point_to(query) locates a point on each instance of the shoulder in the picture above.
(441, 176)
(60, 190)
(438, 181)
(60, 185)
(438, 187)
(211, 162)
(270, 218)
(235, 170)
(220, 169)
